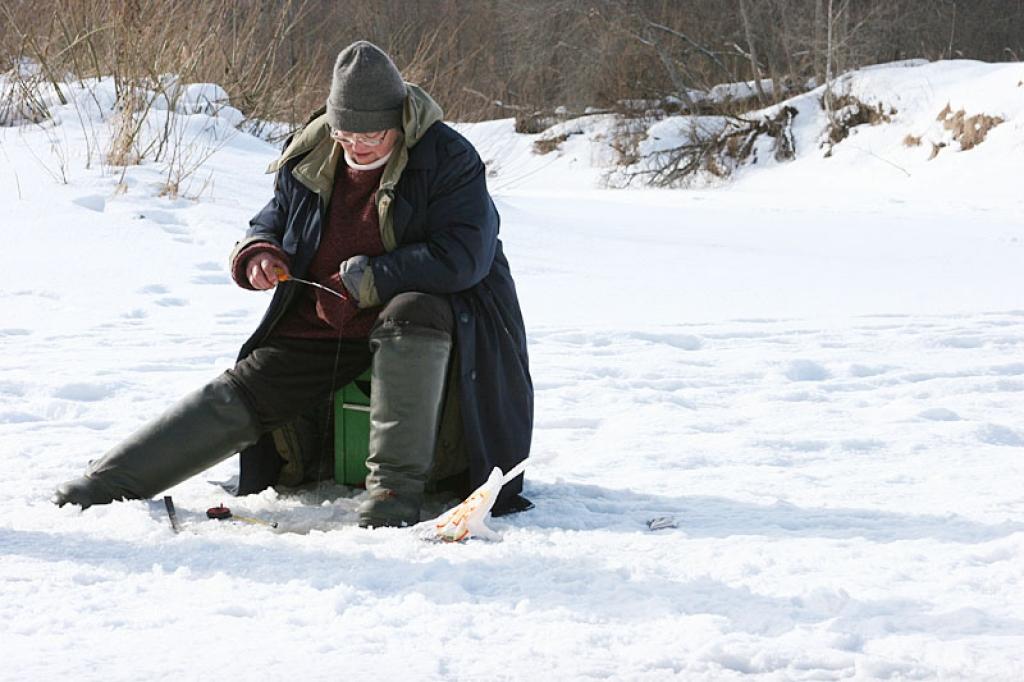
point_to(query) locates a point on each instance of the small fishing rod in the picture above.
(285, 277)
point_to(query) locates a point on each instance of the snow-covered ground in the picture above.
(816, 371)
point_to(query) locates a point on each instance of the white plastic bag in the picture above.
(469, 519)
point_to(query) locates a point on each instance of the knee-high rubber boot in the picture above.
(408, 374)
(198, 431)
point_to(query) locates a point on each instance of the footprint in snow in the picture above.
(680, 341)
(861, 444)
(16, 417)
(53, 296)
(806, 370)
(235, 314)
(93, 203)
(865, 371)
(939, 414)
(176, 230)
(1011, 370)
(236, 612)
(802, 397)
(160, 217)
(211, 279)
(996, 434)
(12, 388)
(961, 342)
(792, 445)
(171, 302)
(85, 392)
(154, 289)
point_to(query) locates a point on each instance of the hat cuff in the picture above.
(353, 121)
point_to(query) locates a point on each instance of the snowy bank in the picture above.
(901, 128)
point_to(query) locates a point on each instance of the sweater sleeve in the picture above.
(242, 256)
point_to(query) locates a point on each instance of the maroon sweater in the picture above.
(352, 228)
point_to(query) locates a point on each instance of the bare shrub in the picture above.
(912, 141)
(626, 139)
(847, 113)
(721, 152)
(21, 101)
(484, 58)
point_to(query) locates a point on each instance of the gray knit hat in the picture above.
(367, 91)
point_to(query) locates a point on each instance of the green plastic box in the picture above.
(352, 431)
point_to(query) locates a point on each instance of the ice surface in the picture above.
(815, 372)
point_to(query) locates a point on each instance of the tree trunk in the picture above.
(817, 47)
(752, 50)
(678, 84)
(952, 32)
(828, 64)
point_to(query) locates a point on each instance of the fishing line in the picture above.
(285, 277)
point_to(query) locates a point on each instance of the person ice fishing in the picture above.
(379, 201)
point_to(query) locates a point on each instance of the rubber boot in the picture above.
(408, 374)
(201, 429)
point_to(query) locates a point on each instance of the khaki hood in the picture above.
(316, 171)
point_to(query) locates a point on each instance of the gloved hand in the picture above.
(263, 270)
(352, 272)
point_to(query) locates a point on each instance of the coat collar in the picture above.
(321, 154)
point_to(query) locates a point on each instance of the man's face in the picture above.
(365, 148)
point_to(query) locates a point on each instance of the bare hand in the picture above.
(265, 271)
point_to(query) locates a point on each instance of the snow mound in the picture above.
(902, 127)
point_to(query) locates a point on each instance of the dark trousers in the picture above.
(286, 378)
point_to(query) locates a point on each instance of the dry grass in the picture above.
(546, 145)
(969, 131)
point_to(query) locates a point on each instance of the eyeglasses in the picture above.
(371, 140)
